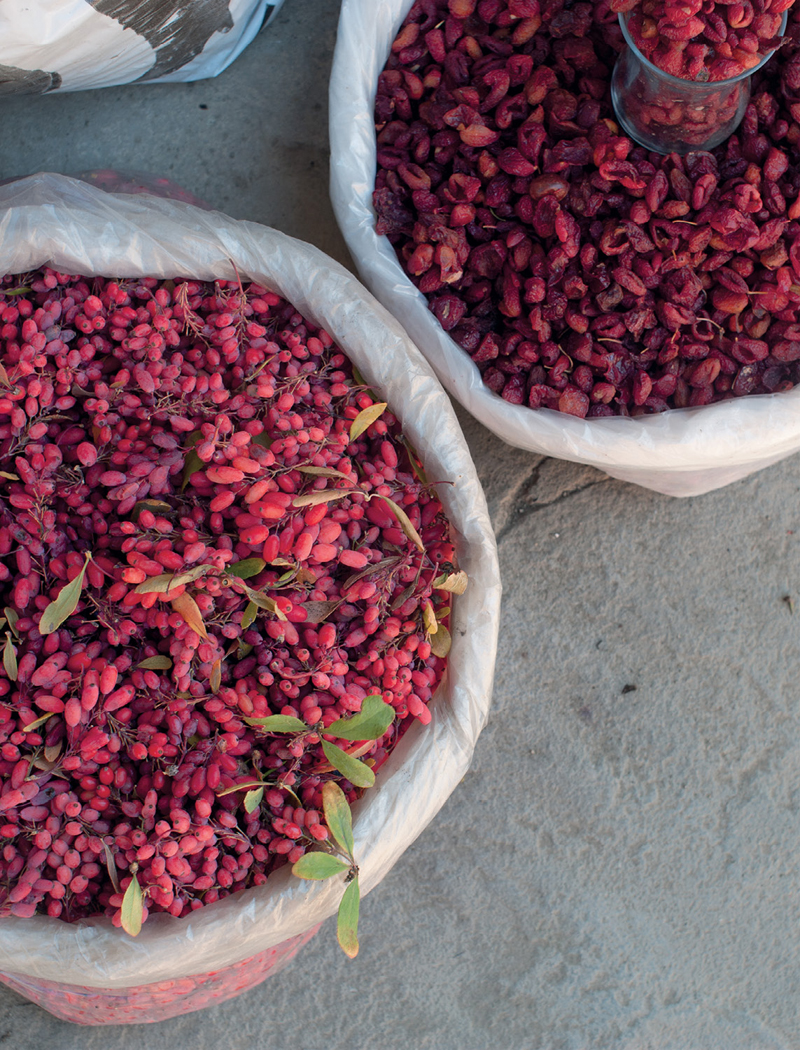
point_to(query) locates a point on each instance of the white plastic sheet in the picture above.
(71, 45)
(77, 228)
(682, 452)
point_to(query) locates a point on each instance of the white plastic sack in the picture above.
(71, 45)
(79, 229)
(681, 452)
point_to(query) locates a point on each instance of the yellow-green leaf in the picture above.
(313, 499)
(9, 477)
(12, 616)
(249, 615)
(429, 618)
(365, 418)
(347, 920)
(441, 641)
(358, 773)
(163, 583)
(338, 817)
(246, 785)
(252, 800)
(405, 523)
(189, 611)
(133, 908)
(65, 604)
(10, 659)
(279, 724)
(318, 865)
(40, 721)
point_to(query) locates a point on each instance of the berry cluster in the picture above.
(206, 520)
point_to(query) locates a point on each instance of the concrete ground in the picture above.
(619, 867)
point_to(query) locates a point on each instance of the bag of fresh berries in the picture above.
(582, 296)
(248, 581)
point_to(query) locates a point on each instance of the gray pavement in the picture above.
(619, 867)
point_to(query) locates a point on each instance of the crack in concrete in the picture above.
(517, 514)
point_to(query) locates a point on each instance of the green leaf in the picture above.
(318, 865)
(313, 499)
(279, 724)
(249, 615)
(263, 601)
(65, 604)
(347, 920)
(371, 722)
(252, 800)
(155, 663)
(243, 570)
(132, 908)
(358, 773)
(338, 817)
(416, 463)
(10, 659)
(405, 523)
(365, 418)
(192, 463)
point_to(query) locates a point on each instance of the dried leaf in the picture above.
(441, 641)
(189, 611)
(405, 523)
(323, 472)
(383, 565)
(365, 418)
(157, 506)
(10, 659)
(133, 908)
(455, 582)
(338, 817)
(4, 378)
(112, 867)
(318, 865)
(347, 920)
(9, 477)
(65, 604)
(246, 568)
(252, 800)
(358, 773)
(313, 499)
(52, 753)
(318, 612)
(155, 663)
(215, 681)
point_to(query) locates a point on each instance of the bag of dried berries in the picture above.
(72, 45)
(581, 297)
(248, 580)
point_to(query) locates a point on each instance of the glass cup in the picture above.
(668, 114)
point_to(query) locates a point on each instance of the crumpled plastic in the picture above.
(79, 229)
(680, 452)
(72, 45)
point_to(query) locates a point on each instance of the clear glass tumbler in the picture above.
(668, 114)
